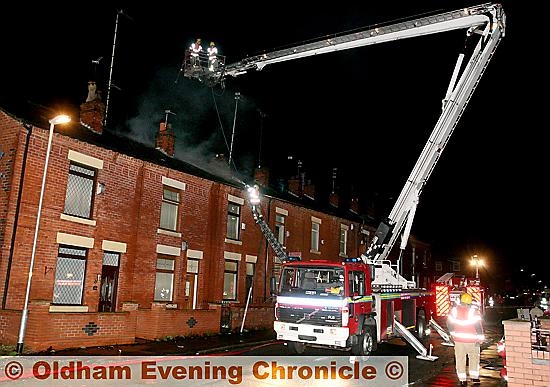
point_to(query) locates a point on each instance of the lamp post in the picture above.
(477, 263)
(59, 119)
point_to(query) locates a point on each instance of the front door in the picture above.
(107, 295)
(190, 279)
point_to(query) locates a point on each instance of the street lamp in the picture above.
(59, 119)
(477, 262)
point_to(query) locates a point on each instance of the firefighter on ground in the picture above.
(464, 324)
(195, 49)
(212, 52)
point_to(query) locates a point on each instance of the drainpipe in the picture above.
(17, 206)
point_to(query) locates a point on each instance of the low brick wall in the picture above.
(76, 329)
(525, 367)
(159, 322)
(10, 321)
(257, 317)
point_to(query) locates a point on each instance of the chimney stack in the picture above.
(261, 176)
(354, 205)
(309, 190)
(166, 140)
(92, 112)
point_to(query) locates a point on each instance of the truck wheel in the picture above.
(296, 347)
(366, 344)
(421, 325)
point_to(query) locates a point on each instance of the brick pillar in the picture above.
(522, 368)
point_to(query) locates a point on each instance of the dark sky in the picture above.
(366, 111)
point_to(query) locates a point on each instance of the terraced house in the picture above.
(136, 243)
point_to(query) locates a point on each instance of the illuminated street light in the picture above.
(477, 262)
(60, 119)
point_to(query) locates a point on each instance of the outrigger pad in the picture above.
(427, 357)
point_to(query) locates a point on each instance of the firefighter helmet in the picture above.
(466, 298)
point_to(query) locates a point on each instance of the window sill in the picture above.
(233, 241)
(68, 308)
(70, 218)
(342, 255)
(171, 233)
(315, 252)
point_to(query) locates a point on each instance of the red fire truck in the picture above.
(448, 289)
(355, 304)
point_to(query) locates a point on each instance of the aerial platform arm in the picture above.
(457, 97)
(471, 17)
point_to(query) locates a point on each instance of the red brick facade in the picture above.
(127, 200)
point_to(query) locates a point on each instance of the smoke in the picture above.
(202, 123)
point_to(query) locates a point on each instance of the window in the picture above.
(69, 275)
(250, 267)
(438, 266)
(169, 209)
(315, 236)
(280, 228)
(80, 188)
(343, 239)
(233, 220)
(455, 265)
(164, 282)
(355, 278)
(230, 280)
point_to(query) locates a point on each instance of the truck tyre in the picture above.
(421, 326)
(296, 347)
(366, 343)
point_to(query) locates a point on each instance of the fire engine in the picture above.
(357, 303)
(448, 289)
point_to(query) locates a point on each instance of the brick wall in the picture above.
(159, 322)
(10, 321)
(524, 369)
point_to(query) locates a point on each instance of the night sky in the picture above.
(366, 111)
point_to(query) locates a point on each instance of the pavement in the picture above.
(441, 373)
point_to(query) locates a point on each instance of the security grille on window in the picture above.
(315, 236)
(343, 241)
(80, 189)
(111, 259)
(230, 280)
(169, 209)
(280, 228)
(233, 220)
(69, 275)
(164, 282)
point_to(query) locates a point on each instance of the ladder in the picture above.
(271, 239)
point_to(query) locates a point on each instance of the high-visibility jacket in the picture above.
(464, 323)
(212, 53)
(195, 49)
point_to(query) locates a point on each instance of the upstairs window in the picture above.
(80, 188)
(233, 220)
(343, 240)
(169, 209)
(280, 228)
(315, 236)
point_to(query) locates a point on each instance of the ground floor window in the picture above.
(70, 271)
(164, 281)
(230, 280)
